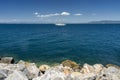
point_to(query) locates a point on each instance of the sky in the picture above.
(52, 11)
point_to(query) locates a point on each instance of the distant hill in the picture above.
(105, 22)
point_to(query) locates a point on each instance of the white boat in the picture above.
(60, 24)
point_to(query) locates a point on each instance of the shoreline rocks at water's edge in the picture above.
(67, 70)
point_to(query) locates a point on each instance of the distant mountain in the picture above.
(105, 22)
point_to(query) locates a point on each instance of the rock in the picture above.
(75, 74)
(9, 67)
(112, 65)
(71, 64)
(8, 60)
(52, 75)
(87, 69)
(43, 68)
(21, 65)
(2, 65)
(98, 68)
(80, 76)
(38, 78)
(88, 76)
(110, 73)
(67, 70)
(3, 74)
(56, 73)
(31, 70)
(17, 75)
(113, 72)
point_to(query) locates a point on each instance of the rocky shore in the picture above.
(66, 70)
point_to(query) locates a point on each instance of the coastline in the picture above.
(66, 70)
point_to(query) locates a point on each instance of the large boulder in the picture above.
(97, 68)
(110, 73)
(17, 75)
(21, 65)
(8, 60)
(87, 69)
(72, 65)
(52, 75)
(112, 65)
(43, 68)
(56, 73)
(3, 74)
(8, 67)
(31, 70)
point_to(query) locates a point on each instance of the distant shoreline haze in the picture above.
(90, 22)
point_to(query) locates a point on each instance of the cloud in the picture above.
(51, 15)
(36, 13)
(65, 13)
(48, 15)
(78, 14)
(55, 14)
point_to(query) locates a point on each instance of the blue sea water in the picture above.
(47, 43)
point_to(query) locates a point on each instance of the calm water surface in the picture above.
(47, 43)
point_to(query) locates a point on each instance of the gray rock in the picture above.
(31, 71)
(80, 76)
(3, 74)
(112, 65)
(110, 73)
(8, 67)
(54, 73)
(8, 60)
(21, 65)
(17, 75)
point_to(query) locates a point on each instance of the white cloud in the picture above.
(36, 13)
(52, 15)
(48, 15)
(78, 14)
(65, 13)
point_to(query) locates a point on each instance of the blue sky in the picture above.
(51, 11)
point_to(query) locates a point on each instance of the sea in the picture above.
(51, 44)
